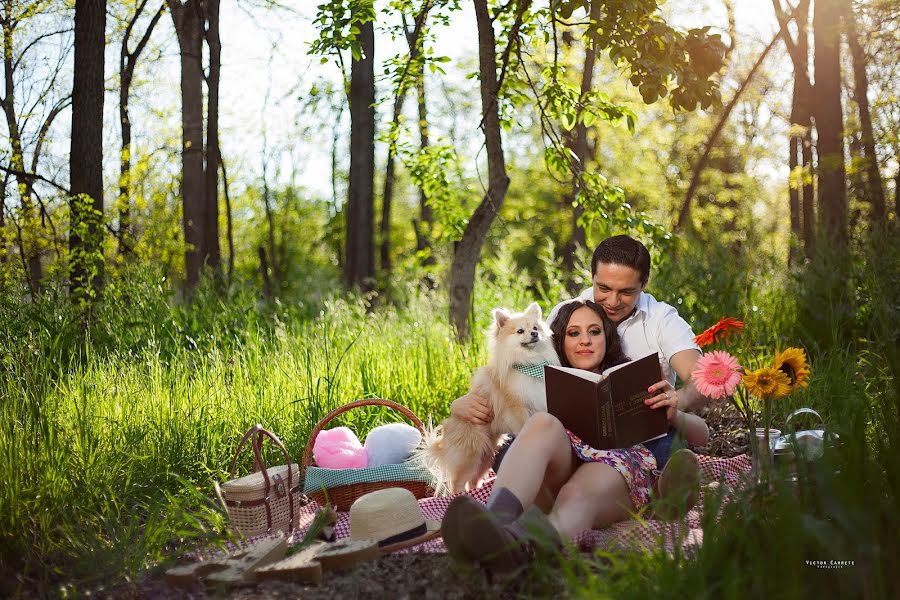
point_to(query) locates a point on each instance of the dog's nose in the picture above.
(534, 334)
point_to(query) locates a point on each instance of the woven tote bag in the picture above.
(267, 499)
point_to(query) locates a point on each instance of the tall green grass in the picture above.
(114, 424)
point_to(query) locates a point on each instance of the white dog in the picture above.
(461, 452)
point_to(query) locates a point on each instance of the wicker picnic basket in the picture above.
(269, 499)
(341, 487)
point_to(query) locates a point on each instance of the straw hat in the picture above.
(393, 517)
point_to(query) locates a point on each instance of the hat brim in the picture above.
(434, 530)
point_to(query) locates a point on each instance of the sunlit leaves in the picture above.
(338, 24)
(430, 170)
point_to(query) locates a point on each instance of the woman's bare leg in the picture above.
(540, 458)
(594, 496)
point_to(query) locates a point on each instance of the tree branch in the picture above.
(36, 177)
(684, 214)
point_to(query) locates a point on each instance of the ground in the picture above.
(413, 576)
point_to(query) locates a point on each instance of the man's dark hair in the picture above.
(623, 250)
(614, 355)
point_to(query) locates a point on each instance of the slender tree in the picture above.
(410, 72)
(874, 187)
(188, 19)
(127, 62)
(468, 249)
(801, 197)
(86, 155)
(577, 141)
(213, 255)
(13, 15)
(422, 225)
(359, 269)
(832, 184)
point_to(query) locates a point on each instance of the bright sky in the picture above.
(268, 51)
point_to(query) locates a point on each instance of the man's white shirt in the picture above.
(653, 327)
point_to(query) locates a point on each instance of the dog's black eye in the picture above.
(534, 328)
(521, 331)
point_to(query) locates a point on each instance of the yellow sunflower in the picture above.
(767, 383)
(792, 362)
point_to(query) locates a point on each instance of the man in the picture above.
(620, 269)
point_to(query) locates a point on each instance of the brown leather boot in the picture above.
(678, 486)
(504, 548)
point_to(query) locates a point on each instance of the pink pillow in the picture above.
(339, 448)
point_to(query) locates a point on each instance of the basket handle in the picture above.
(259, 464)
(308, 451)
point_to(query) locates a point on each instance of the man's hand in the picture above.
(472, 408)
(689, 399)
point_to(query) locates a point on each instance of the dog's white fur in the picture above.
(459, 452)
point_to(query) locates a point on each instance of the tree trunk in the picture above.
(359, 268)
(189, 28)
(127, 63)
(800, 143)
(578, 143)
(874, 187)
(468, 250)
(794, 150)
(270, 216)
(4, 256)
(211, 204)
(897, 190)
(264, 272)
(229, 232)
(829, 123)
(86, 154)
(809, 195)
(423, 227)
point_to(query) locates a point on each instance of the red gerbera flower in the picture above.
(721, 330)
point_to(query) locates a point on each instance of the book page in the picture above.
(625, 364)
(589, 375)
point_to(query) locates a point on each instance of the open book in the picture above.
(607, 411)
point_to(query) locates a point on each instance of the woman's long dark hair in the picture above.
(614, 355)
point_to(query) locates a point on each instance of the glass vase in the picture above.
(761, 446)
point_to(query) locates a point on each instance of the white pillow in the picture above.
(391, 444)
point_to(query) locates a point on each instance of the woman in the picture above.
(548, 466)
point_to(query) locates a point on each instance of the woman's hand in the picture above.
(472, 408)
(664, 395)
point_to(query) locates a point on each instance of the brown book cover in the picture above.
(607, 411)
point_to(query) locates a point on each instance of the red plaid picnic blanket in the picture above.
(634, 534)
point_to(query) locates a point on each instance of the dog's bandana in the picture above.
(532, 370)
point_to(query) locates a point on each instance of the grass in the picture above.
(110, 441)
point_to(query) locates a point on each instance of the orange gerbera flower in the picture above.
(721, 330)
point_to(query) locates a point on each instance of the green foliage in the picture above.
(86, 258)
(431, 171)
(338, 23)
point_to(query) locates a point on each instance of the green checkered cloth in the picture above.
(535, 370)
(318, 478)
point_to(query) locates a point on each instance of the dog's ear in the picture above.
(501, 317)
(534, 310)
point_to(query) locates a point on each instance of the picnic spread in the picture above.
(391, 508)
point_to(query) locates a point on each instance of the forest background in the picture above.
(214, 216)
